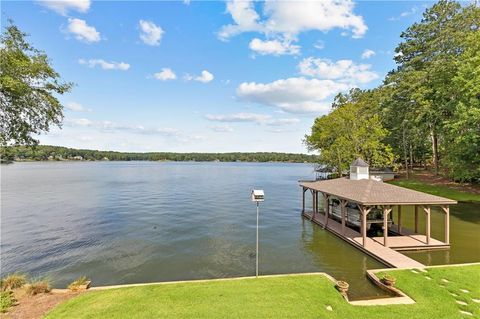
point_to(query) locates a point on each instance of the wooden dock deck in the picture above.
(374, 246)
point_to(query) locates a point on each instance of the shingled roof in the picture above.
(371, 192)
(359, 162)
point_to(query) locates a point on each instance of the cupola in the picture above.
(359, 170)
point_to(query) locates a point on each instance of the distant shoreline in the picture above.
(59, 153)
(161, 161)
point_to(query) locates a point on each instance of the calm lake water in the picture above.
(129, 222)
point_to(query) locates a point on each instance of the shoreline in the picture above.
(154, 161)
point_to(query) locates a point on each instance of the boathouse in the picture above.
(358, 206)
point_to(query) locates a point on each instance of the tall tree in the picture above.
(28, 85)
(463, 128)
(426, 66)
(351, 130)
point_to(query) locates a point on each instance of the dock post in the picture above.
(427, 223)
(343, 206)
(313, 205)
(326, 210)
(386, 211)
(399, 219)
(446, 210)
(364, 227)
(303, 200)
(416, 219)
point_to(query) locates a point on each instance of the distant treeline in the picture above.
(58, 153)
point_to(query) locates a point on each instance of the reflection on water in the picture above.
(126, 222)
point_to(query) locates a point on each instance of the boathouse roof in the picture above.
(371, 192)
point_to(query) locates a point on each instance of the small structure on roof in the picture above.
(359, 170)
(364, 204)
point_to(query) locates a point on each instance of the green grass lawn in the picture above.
(281, 297)
(439, 190)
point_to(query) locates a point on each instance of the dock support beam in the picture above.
(386, 211)
(399, 220)
(427, 223)
(416, 219)
(364, 212)
(303, 200)
(446, 210)
(313, 204)
(343, 207)
(326, 209)
(364, 228)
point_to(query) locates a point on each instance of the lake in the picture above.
(130, 222)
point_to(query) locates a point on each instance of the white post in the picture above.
(256, 266)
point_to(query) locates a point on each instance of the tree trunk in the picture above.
(435, 151)
(405, 153)
(411, 158)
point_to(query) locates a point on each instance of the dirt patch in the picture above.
(430, 178)
(33, 307)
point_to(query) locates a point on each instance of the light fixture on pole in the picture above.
(257, 196)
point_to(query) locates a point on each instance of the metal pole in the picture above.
(256, 268)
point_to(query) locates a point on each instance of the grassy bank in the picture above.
(306, 296)
(457, 193)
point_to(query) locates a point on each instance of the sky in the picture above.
(207, 76)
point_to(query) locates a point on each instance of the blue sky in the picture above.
(207, 76)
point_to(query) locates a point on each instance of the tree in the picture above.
(463, 128)
(426, 66)
(351, 130)
(28, 85)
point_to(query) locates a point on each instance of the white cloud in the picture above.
(105, 65)
(78, 122)
(279, 130)
(290, 18)
(295, 17)
(165, 75)
(108, 126)
(239, 117)
(283, 122)
(222, 128)
(150, 33)
(294, 95)
(257, 118)
(64, 6)
(82, 31)
(245, 19)
(204, 77)
(167, 131)
(404, 14)
(77, 107)
(345, 71)
(367, 54)
(274, 47)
